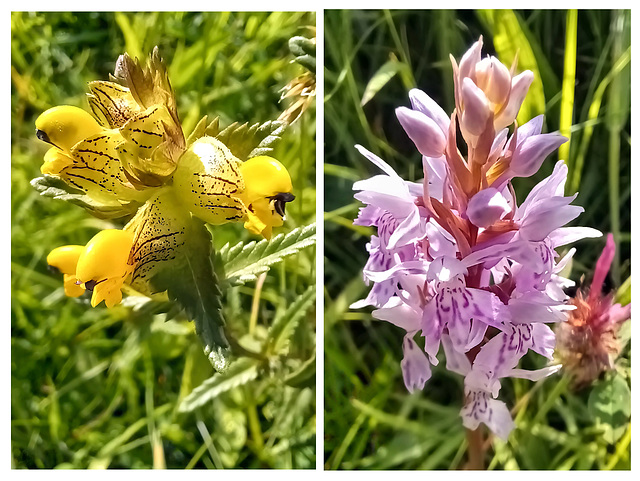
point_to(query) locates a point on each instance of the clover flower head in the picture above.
(456, 260)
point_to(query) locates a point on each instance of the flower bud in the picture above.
(487, 207)
(531, 152)
(494, 79)
(469, 60)
(476, 110)
(423, 131)
(519, 87)
(421, 102)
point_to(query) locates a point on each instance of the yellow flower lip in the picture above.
(105, 256)
(65, 125)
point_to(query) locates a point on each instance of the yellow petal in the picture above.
(109, 291)
(65, 125)
(106, 256)
(65, 258)
(71, 289)
(55, 161)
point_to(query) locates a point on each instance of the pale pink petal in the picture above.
(457, 361)
(421, 102)
(399, 314)
(423, 131)
(519, 87)
(416, 369)
(481, 408)
(476, 109)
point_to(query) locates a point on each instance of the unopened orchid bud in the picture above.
(531, 152)
(421, 102)
(476, 110)
(494, 79)
(469, 60)
(487, 207)
(423, 131)
(519, 87)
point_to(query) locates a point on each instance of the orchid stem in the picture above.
(475, 449)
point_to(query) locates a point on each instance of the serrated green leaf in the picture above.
(610, 403)
(172, 252)
(283, 326)
(244, 263)
(382, 76)
(56, 188)
(241, 372)
(246, 141)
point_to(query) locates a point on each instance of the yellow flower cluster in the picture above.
(132, 152)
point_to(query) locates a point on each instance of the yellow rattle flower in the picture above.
(102, 266)
(267, 190)
(65, 259)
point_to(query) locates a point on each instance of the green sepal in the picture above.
(242, 140)
(246, 141)
(56, 188)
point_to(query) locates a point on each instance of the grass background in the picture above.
(371, 422)
(101, 388)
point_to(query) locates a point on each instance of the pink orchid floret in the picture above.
(456, 261)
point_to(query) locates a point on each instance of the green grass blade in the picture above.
(385, 73)
(575, 174)
(617, 113)
(568, 82)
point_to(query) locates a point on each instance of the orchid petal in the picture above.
(416, 369)
(423, 131)
(421, 102)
